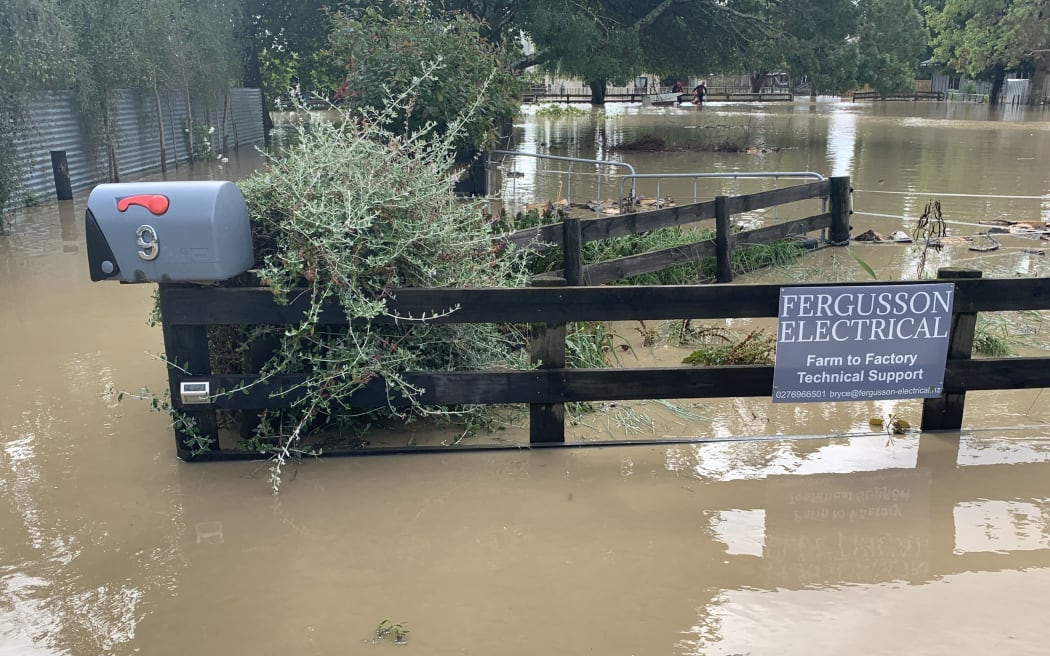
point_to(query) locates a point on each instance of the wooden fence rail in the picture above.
(556, 300)
(918, 95)
(188, 311)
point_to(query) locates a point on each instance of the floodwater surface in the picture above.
(794, 530)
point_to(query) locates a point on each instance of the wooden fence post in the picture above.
(723, 241)
(60, 169)
(186, 350)
(840, 211)
(547, 347)
(946, 411)
(572, 244)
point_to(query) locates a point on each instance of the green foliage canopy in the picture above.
(984, 38)
(383, 55)
(891, 41)
(32, 35)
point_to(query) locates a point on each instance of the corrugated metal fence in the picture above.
(235, 116)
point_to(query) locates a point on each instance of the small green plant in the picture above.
(592, 345)
(864, 265)
(987, 342)
(395, 631)
(198, 139)
(684, 332)
(196, 442)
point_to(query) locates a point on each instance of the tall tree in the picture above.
(819, 42)
(984, 39)
(613, 39)
(891, 41)
(385, 54)
(282, 40)
(500, 19)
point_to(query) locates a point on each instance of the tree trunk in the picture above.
(160, 125)
(997, 86)
(757, 78)
(111, 141)
(598, 89)
(189, 119)
(253, 78)
(174, 135)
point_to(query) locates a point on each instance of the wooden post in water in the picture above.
(547, 347)
(572, 244)
(60, 168)
(723, 241)
(840, 211)
(547, 340)
(946, 411)
(186, 349)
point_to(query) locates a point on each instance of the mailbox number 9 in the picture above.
(146, 240)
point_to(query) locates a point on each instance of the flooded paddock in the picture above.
(793, 530)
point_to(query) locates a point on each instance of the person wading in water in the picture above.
(699, 91)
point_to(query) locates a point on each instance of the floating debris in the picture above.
(869, 235)
(895, 237)
(938, 242)
(1031, 229)
(1030, 225)
(993, 246)
(548, 205)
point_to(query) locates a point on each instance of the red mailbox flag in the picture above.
(155, 203)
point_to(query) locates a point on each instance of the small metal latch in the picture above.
(195, 393)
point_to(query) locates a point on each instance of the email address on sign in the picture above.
(874, 394)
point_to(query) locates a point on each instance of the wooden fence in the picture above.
(539, 94)
(918, 95)
(555, 300)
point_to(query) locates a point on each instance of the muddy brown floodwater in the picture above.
(794, 530)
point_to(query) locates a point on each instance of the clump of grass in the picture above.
(747, 258)
(715, 139)
(560, 111)
(647, 143)
(758, 347)
(986, 342)
(591, 345)
(752, 257)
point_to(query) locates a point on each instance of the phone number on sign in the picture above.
(800, 394)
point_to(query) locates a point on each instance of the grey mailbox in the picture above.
(167, 232)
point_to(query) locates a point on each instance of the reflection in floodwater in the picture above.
(842, 142)
(616, 550)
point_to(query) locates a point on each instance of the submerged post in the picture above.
(60, 168)
(840, 211)
(723, 241)
(946, 411)
(547, 347)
